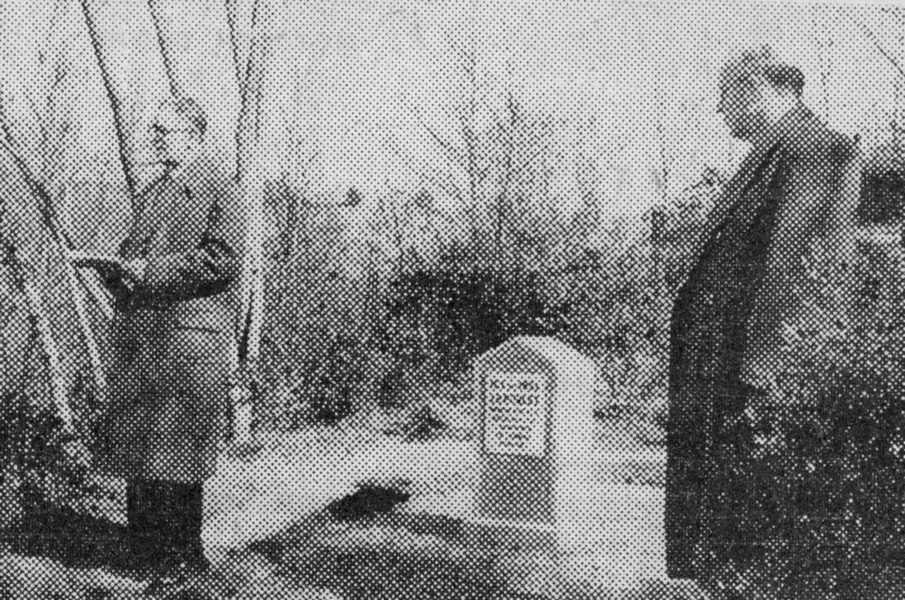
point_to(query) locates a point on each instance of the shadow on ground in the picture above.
(72, 539)
(357, 547)
(382, 553)
(382, 557)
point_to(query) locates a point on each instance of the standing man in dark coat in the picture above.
(796, 188)
(173, 341)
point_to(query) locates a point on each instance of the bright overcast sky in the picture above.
(350, 82)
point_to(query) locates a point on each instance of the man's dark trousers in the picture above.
(164, 523)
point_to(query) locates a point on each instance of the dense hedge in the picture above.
(43, 467)
(460, 311)
(421, 329)
(830, 451)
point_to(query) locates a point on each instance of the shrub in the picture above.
(619, 314)
(675, 226)
(329, 380)
(832, 452)
(444, 316)
(620, 296)
(41, 470)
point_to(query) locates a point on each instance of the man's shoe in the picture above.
(186, 582)
(171, 578)
(196, 561)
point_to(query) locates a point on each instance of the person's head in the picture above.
(756, 89)
(178, 132)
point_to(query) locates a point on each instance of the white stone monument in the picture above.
(544, 506)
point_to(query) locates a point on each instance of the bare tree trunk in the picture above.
(54, 123)
(49, 114)
(23, 278)
(251, 83)
(77, 293)
(123, 36)
(241, 16)
(41, 323)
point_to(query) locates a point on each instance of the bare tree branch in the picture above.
(895, 14)
(453, 154)
(112, 96)
(77, 282)
(450, 189)
(240, 52)
(167, 59)
(49, 147)
(873, 38)
(41, 325)
(464, 55)
(241, 56)
(503, 197)
(46, 209)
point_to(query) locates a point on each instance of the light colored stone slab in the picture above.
(562, 515)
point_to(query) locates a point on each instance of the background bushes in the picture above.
(43, 466)
(350, 326)
(460, 309)
(421, 328)
(832, 453)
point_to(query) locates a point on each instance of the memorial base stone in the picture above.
(556, 507)
(526, 557)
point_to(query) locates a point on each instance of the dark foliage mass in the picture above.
(38, 471)
(465, 310)
(829, 448)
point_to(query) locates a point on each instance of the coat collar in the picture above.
(750, 167)
(195, 182)
(194, 176)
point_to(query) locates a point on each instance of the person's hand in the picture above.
(758, 404)
(134, 270)
(111, 268)
(76, 451)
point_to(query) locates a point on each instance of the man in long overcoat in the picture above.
(796, 188)
(173, 343)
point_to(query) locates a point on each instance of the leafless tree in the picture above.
(251, 86)
(32, 277)
(248, 26)
(115, 30)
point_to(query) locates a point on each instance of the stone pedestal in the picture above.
(561, 505)
(536, 441)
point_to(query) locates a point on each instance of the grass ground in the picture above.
(283, 521)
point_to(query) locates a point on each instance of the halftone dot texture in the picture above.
(389, 191)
